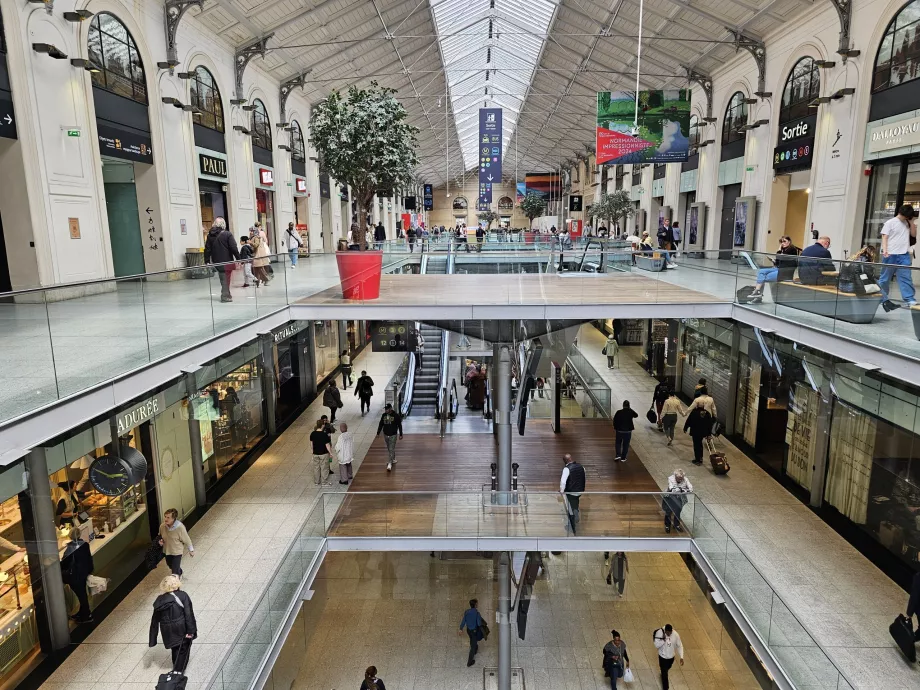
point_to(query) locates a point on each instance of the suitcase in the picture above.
(719, 463)
(903, 633)
(172, 681)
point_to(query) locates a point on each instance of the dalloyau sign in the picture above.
(215, 167)
(893, 135)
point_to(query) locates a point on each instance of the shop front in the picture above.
(265, 204)
(302, 214)
(893, 148)
(705, 353)
(212, 185)
(290, 359)
(325, 349)
(357, 334)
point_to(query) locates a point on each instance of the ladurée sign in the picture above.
(138, 415)
(893, 135)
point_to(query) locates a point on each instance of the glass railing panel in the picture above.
(98, 335)
(25, 328)
(275, 295)
(231, 310)
(178, 310)
(710, 537)
(749, 588)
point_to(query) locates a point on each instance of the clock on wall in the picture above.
(110, 476)
(136, 461)
(167, 464)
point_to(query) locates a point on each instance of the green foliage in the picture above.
(533, 206)
(488, 217)
(364, 140)
(614, 206)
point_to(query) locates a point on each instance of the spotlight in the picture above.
(763, 94)
(840, 93)
(237, 101)
(249, 108)
(240, 128)
(184, 75)
(78, 16)
(825, 64)
(282, 125)
(284, 147)
(85, 64)
(50, 50)
(169, 64)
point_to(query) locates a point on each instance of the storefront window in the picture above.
(231, 420)
(898, 59)
(883, 200)
(706, 353)
(326, 348)
(358, 336)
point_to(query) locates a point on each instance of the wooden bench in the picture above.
(653, 261)
(827, 300)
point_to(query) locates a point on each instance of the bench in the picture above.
(827, 300)
(650, 262)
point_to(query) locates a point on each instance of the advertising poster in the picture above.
(663, 127)
(740, 233)
(546, 185)
(521, 191)
(693, 231)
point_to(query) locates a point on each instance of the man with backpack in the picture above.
(668, 643)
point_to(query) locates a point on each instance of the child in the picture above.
(246, 258)
(345, 452)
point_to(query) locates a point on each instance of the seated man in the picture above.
(815, 261)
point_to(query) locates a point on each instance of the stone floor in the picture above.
(401, 611)
(844, 601)
(238, 544)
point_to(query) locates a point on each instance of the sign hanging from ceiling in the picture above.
(490, 153)
(658, 133)
(428, 199)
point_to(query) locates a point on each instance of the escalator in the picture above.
(425, 391)
(436, 264)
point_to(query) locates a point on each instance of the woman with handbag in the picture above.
(616, 660)
(260, 260)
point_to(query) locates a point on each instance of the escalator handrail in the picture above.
(405, 405)
(455, 399)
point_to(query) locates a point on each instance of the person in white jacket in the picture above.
(669, 645)
(345, 453)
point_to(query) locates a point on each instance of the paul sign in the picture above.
(209, 165)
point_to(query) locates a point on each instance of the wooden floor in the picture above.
(456, 472)
(521, 288)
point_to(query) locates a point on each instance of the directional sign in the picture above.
(7, 118)
(490, 152)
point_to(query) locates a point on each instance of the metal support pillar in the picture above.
(46, 583)
(268, 382)
(504, 621)
(733, 364)
(194, 436)
(502, 365)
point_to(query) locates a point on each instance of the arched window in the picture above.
(694, 133)
(460, 203)
(113, 50)
(736, 115)
(505, 204)
(803, 85)
(206, 97)
(261, 127)
(298, 152)
(898, 59)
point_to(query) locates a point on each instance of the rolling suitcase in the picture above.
(172, 681)
(719, 463)
(903, 633)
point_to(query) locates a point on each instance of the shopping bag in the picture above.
(96, 584)
(628, 676)
(154, 554)
(903, 633)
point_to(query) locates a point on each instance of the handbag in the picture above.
(651, 415)
(485, 630)
(628, 676)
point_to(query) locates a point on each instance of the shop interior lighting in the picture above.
(238, 101)
(840, 93)
(78, 15)
(85, 64)
(50, 50)
(825, 64)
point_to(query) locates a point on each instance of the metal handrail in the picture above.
(487, 406)
(454, 399)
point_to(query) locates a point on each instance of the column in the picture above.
(822, 435)
(504, 617)
(194, 435)
(733, 363)
(501, 361)
(268, 382)
(42, 546)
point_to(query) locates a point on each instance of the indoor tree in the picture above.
(614, 207)
(488, 217)
(364, 139)
(533, 206)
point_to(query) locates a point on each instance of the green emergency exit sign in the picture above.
(73, 132)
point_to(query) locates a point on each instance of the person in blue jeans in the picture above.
(623, 426)
(473, 623)
(896, 234)
(783, 268)
(616, 660)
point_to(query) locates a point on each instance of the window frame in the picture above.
(694, 133)
(891, 31)
(217, 112)
(101, 79)
(297, 138)
(261, 131)
(796, 110)
(736, 104)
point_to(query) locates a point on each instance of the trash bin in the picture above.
(194, 257)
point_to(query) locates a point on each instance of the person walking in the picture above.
(345, 366)
(332, 398)
(612, 350)
(678, 488)
(473, 623)
(175, 540)
(220, 248)
(380, 236)
(260, 259)
(293, 243)
(174, 619)
(619, 566)
(364, 389)
(345, 453)
(571, 486)
(701, 398)
(623, 426)
(321, 444)
(390, 424)
(616, 659)
(371, 681)
(668, 643)
(669, 412)
(410, 238)
(896, 235)
(246, 259)
(662, 392)
(699, 426)
(913, 603)
(76, 566)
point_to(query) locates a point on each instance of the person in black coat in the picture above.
(913, 603)
(220, 248)
(371, 681)
(364, 389)
(332, 398)
(174, 618)
(662, 393)
(815, 261)
(380, 235)
(76, 566)
(699, 426)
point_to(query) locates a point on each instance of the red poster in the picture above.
(406, 220)
(612, 145)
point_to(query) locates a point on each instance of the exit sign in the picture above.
(73, 132)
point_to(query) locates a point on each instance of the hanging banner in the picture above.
(428, 199)
(660, 134)
(490, 153)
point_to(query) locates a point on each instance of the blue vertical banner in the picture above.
(490, 153)
(428, 197)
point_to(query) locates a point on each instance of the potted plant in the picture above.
(363, 139)
(614, 207)
(532, 206)
(488, 217)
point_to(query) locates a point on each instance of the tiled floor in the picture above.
(401, 611)
(842, 599)
(238, 544)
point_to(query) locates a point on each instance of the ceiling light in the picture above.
(824, 64)
(249, 108)
(169, 64)
(49, 50)
(763, 94)
(77, 16)
(237, 101)
(85, 64)
(184, 75)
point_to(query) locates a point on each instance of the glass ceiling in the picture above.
(490, 49)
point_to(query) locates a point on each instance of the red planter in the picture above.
(359, 273)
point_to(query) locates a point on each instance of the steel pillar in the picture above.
(194, 435)
(502, 365)
(504, 621)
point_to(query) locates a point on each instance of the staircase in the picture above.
(425, 393)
